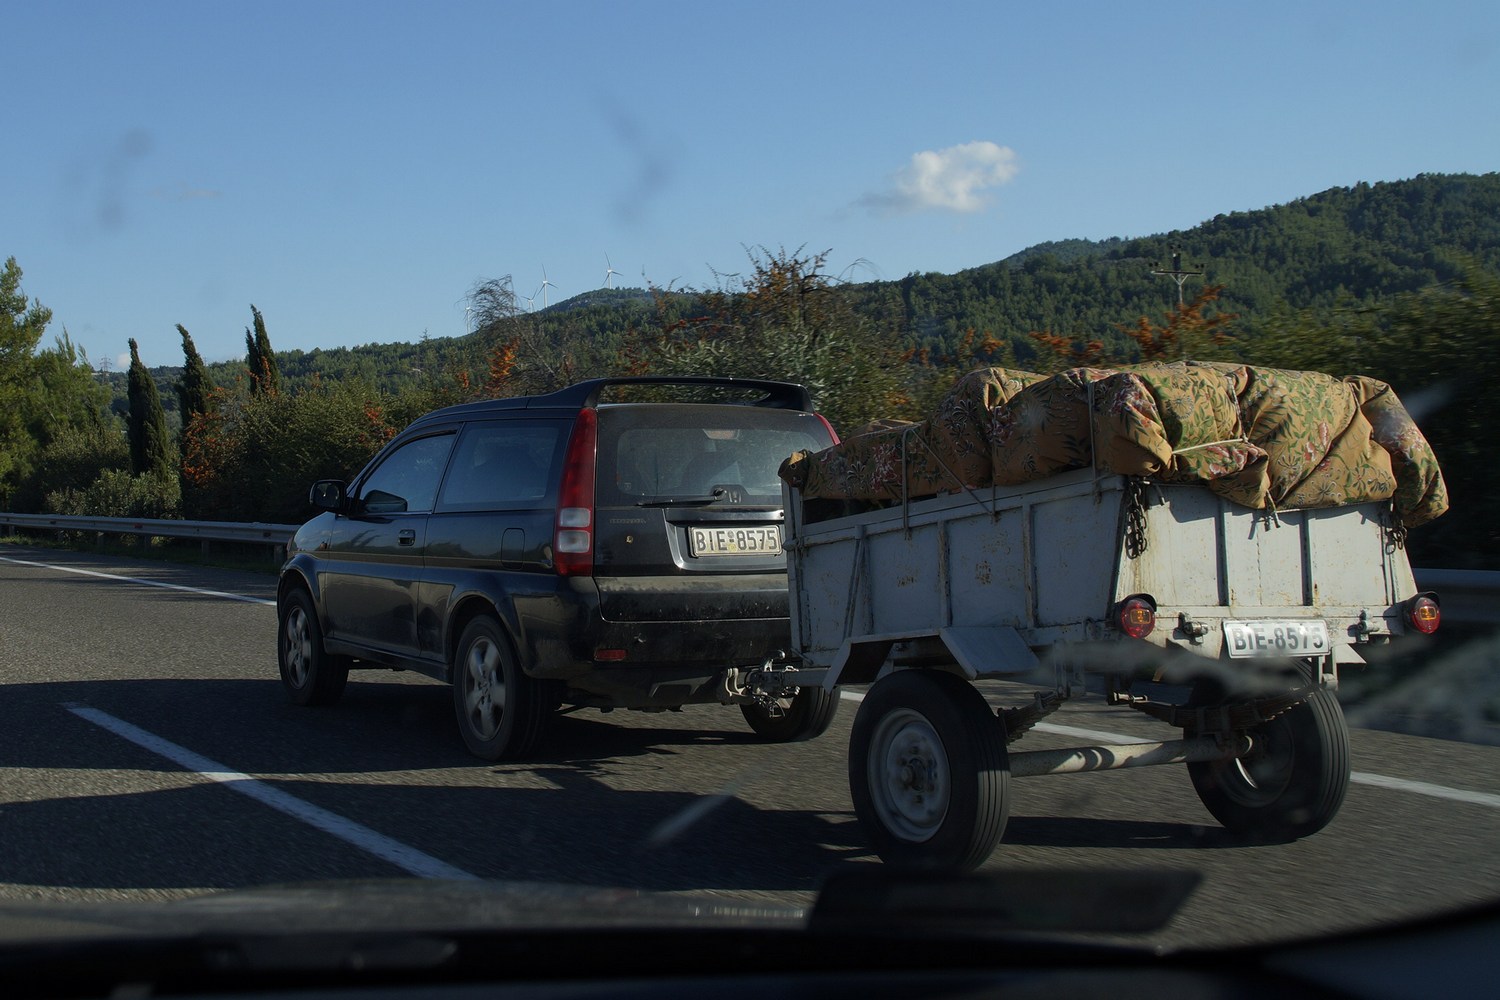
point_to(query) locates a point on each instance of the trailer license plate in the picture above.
(764, 540)
(1276, 638)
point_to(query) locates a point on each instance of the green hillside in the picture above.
(1343, 250)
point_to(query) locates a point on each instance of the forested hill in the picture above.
(1344, 248)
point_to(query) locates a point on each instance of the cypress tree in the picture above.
(252, 360)
(194, 391)
(264, 376)
(149, 451)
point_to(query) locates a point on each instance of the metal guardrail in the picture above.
(146, 528)
(1469, 596)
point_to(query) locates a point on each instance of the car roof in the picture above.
(583, 395)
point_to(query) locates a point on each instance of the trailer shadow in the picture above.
(1087, 831)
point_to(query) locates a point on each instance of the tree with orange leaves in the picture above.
(1187, 332)
(1065, 352)
(788, 319)
(502, 362)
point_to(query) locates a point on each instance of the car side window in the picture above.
(502, 464)
(406, 480)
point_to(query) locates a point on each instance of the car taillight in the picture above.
(573, 542)
(1423, 613)
(833, 435)
(1136, 616)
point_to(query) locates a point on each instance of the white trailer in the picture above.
(1109, 583)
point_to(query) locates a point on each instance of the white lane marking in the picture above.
(135, 579)
(401, 855)
(1425, 788)
(1358, 777)
(1087, 734)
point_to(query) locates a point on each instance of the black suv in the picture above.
(555, 549)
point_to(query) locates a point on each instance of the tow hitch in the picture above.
(777, 677)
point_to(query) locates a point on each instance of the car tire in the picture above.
(501, 711)
(309, 675)
(804, 716)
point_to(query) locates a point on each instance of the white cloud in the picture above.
(955, 179)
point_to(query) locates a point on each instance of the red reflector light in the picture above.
(609, 655)
(1136, 617)
(1423, 613)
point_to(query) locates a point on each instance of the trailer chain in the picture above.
(1135, 516)
(1395, 532)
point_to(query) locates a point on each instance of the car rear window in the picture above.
(660, 452)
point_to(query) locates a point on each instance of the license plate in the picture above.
(763, 540)
(1276, 638)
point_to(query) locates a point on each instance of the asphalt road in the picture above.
(148, 753)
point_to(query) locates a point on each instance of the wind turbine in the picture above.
(609, 273)
(545, 283)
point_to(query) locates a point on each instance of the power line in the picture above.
(1178, 273)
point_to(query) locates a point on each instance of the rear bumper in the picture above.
(661, 664)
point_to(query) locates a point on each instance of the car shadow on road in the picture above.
(603, 802)
(195, 836)
(378, 726)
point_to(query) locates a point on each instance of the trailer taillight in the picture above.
(1136, 616)
(1423, 613)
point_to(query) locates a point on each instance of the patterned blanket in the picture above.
(1261, 437)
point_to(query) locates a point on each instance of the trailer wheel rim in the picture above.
(1267, 771)
(909, 778)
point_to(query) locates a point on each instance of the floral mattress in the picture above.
(1261, 437)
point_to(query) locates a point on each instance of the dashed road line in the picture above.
(401, 855)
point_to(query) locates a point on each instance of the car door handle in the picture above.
(406, 536)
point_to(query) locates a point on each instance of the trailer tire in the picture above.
(928, 772)
(1292, 784)
(805, 715)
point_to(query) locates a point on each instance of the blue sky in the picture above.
(354, 168)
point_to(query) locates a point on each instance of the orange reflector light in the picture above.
(1423, 613)
(1136, 617)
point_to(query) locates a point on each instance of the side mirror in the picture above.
(381, 502)
(327, 494)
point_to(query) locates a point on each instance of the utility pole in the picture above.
(1178, 273)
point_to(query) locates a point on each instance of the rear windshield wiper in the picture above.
(719, 493)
